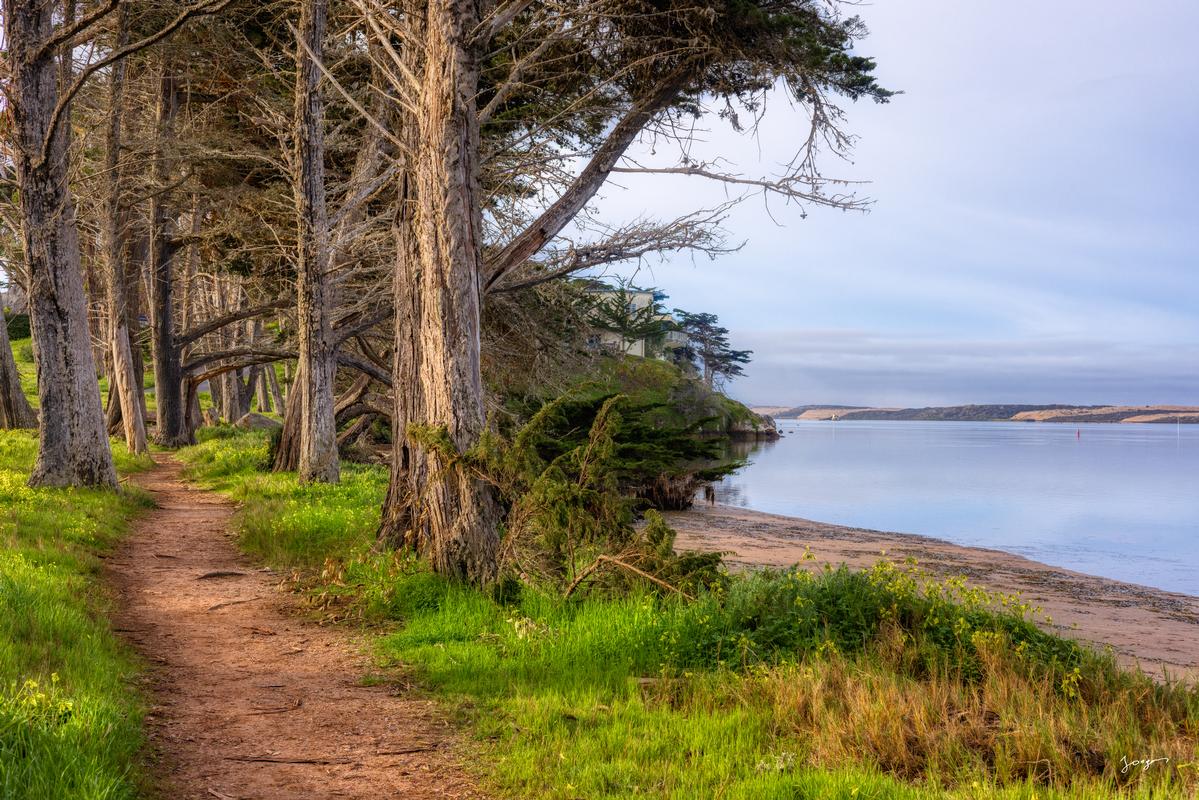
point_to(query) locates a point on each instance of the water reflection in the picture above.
(1114, 500)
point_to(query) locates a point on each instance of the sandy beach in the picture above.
(1153, 629)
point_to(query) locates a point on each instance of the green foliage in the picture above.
(681, 399)
(569, 480)
(18, 325)
(767, 617)
(69, 721)
(618, 313)
(708, 348)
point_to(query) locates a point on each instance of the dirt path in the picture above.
(252, 700)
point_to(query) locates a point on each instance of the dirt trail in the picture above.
(252, 700)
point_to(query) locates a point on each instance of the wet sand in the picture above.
(1150, 628)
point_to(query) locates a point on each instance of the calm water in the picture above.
(1121, 501)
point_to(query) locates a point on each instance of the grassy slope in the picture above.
(70, 722)
(783, 686)
(684, 398)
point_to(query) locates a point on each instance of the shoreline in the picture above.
(1152, 629)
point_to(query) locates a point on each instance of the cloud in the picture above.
(871, 368)
(1033, 236)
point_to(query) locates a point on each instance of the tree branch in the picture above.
(529, 241)
(787, 186)
(200, 9)
(205, 328)
(74, 29)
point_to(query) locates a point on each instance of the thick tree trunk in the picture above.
(168, 367)
(318, 432)
(73, 449)
(123, 375)
(438, 270)
(15, 411)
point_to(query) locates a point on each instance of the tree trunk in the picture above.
(272, 382)
(15, 411)
(262, 393)
(73, 449)
(287, 451)
(123, 375)
(261, 389)
(437, 282)
(318, 432)
(168, 368)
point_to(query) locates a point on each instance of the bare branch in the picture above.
(74, 29)
(806, 188)
(205, 328)
(198, 10)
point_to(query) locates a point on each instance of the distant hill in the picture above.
(1000, 413)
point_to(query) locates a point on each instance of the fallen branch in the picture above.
(599, 562)
(233, 603)
(270, 760)
(220, 573)
(407, 751)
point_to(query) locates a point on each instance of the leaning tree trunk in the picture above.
(73, 449)
(318, 432)
(168, 367)
(123, 376)
(15, 411)
(287, 446)
(438, 271)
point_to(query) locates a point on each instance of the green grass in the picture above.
(801, 684)
(22, 350)
(23, 354)
(70, 720)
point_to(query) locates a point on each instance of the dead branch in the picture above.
(616, 562)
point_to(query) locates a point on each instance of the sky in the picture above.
(1034, 233)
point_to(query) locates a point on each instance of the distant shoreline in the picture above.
(1152, 628)
(1155, 414)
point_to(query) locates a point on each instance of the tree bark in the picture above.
(318, 432)
(450, 516)
(272, 382)
(287, 451)
(15, 411)
(123, 376)
(73, 449)
(172, 430)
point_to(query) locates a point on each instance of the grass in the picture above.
(70, 721)
(22, 350)
(23, 355)
(821, 683)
